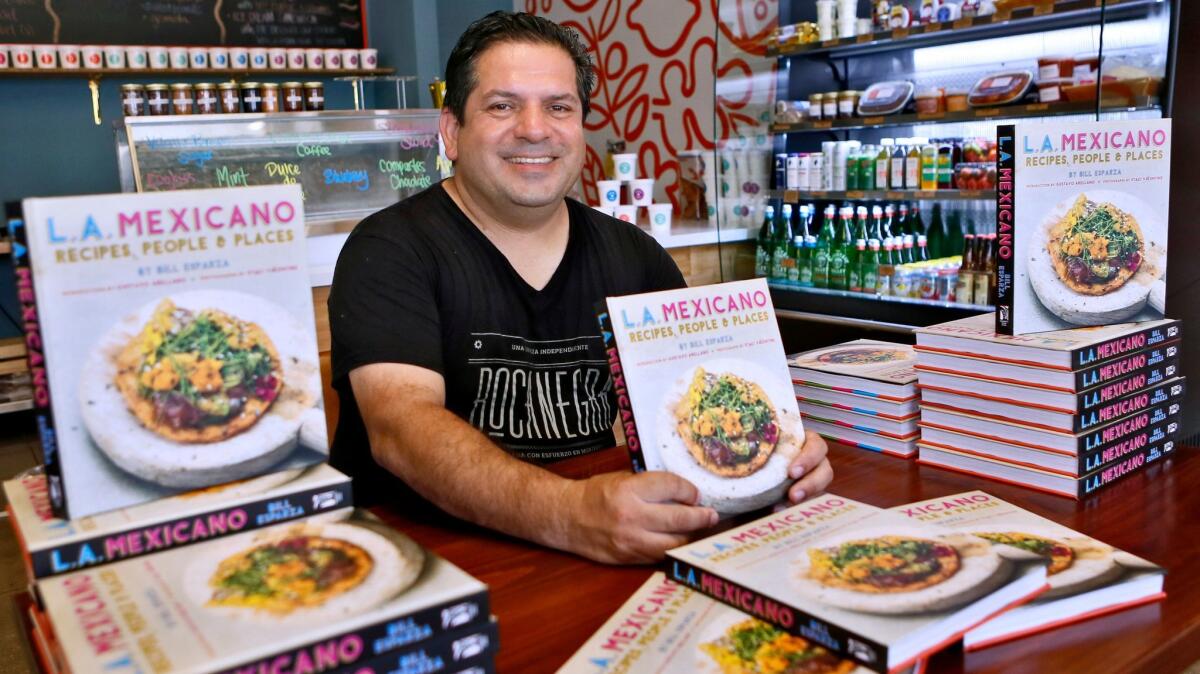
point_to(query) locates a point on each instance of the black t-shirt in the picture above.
(418, 283)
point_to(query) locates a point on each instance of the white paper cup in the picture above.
(239, 58)
(626, 213)
(610, 192)
(136, 57)
(333, 59)
(68, 57)
(218, 58)
(368, 58)
(46, 55)
(641, 191)
(91, 55)
(114, 57)
(277, 56)
(295, 58)
(198, 58)
(179, 58)
(660, 218)
(259, 58)
(350, 59)
(314, 59)
(5, 61)
(22, 56)
(158, 57)
(625, 167)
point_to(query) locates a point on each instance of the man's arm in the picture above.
(614, 517)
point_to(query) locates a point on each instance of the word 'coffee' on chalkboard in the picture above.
(246, 23)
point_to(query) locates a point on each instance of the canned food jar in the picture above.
(270, 96)
(816, 104)
(293, 97)
(158, 100)
(829, 105)
(252, 97)
(228, 94)
(314, 96)
(133, 100)
(206, 98)
(181, 99)
(847, 103)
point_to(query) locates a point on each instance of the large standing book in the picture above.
(867, 584)
(1081, 220)
(52, 546)
(668, 628)
(1064, 350)
(1087, 577)
(333, 586)
(703, 389)
(179, 342)
(863, 367)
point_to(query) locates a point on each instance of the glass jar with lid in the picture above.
(158, 100)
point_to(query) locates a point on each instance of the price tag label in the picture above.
(899, 33)
(1001, 15)
(933, 27)
(791, 196)
(829, 43)
(1037, 107)
(856, 195)
(970, 194)
(823, 124)
(962, 22)
(987, 112)
(818, 194)
(864, 38)
(1043, 8)
(893, 196)
(930, 115)
(921, 194)
(872, 121)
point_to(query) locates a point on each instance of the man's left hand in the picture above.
(810, 468)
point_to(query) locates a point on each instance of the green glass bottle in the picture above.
(780, 259)
(809, 262)
(856, 266)
(822, 250)
(839, 251)
(870, 267)
(765, 249)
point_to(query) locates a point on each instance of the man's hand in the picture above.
(629, 518)
(810, 469)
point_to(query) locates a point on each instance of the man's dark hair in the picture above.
(501, 26)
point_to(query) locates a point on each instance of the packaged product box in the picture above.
(340, 588)
(1087, 577)
(177, 341)
(1082, 223)
(52, 546)
(703, 389)
(867, 584)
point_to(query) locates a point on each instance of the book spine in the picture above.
(35, 353)
(1133, 463)
(464, 651)
(216, 523)
(1118, 346)
(1006, 208)
(1129, 384)
(425, 628)
(1117, 441)
(620, 389)
(838, 640)
(1121, 407)
(1166, 356)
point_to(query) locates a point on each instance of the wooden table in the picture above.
(549, 602)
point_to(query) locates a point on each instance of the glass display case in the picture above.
(880, 122)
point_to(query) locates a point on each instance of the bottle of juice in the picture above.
(929, 167)
(856, 262)
(883, 161)
(945, 152)
(852, 168)
(896, 172)
(964, 291)
(866, 168)
(821, 251)
(912, 164)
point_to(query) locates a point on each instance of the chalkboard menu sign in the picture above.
(348, 164)
(246, 23)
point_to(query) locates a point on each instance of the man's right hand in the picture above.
(632, 518)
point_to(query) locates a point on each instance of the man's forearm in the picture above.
(453, 465)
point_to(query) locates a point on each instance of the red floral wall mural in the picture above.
(656, 62)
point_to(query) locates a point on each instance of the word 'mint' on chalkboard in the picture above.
(243, 23)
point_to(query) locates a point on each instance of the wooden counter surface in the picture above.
(548, 603)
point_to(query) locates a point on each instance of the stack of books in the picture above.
(842, 586)
(1068, 411)
(861, 393)
(185, 519)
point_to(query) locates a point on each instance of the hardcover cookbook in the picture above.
(703, 389)
(179, 341)
(1082, 223)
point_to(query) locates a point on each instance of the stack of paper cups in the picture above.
(826, 14)
(847, 21)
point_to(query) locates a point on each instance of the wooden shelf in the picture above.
(210, 73)
(1038, 18)
(973, 115)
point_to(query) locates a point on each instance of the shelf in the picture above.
(972, 115)
(795, 197)
(882, 312)
(210, 73)
(1035, 19)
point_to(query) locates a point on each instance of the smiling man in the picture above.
(465, 347)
